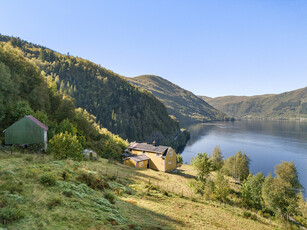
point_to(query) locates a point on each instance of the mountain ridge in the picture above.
(181, 103)
(290, 104)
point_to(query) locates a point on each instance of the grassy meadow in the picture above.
(37, 192)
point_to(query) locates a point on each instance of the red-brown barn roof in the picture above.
(45, 127)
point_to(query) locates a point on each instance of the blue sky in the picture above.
(211, 48)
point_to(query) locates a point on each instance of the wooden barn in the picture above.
(141, 155)
(28, 130)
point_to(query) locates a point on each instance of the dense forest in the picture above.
(181, 103)
(119, 106)
(292, 104)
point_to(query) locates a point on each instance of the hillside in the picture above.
(36, 195)
(181, 103)
(25, 91)
(292, 104)
(119, 106)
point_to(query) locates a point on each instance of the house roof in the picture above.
(138, 158)
(45, 127)
(146, 147)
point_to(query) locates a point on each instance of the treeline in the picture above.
(25, 91)
(279, 196)
(122, 108)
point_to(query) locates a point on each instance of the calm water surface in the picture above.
(268, 143)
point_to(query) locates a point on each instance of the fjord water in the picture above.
(266, 142)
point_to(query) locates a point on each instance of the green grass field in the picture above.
(37, 192)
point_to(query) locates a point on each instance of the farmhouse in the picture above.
(141, 155)
(28, 130)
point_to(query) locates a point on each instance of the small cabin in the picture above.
(142, 155)
(28, 130)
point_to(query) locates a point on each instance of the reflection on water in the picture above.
(266, 142)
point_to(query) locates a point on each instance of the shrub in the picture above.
(34, 148)
(9, 214)
(110, 196)
(221, 188)
(249, 215)
(12, 186)
(68, 193)
(266, 215)
(111, 176)
(71, 189)
(151, 186)
(115, 219)
(209, 189)
(9, 211)
(29, 158)
(246, 214)
(65, 145)
(66, 175)
(16, 198)
(53, 202)
(48, 179)
(179, 159)
(165, 193)
(120, 188)
(93, 181)
(197, 187)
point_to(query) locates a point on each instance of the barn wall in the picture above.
(24, 131)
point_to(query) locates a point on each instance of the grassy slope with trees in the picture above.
(290, 104)
(119, 106)
(181, 103)
(35, 194)
(280, 196)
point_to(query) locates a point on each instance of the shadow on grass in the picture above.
(183, 174)
(145, 218)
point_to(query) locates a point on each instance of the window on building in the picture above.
(170, 162)
(171, 153)
(141, 164)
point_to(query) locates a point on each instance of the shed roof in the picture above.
(45, 127)
(146, 147)
(138, 158)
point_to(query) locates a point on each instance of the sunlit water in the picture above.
(268, 143)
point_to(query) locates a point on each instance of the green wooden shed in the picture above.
(28, 130)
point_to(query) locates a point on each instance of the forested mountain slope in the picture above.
(290, 104)
(119, 106)
(25, 91)
(181, 103)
